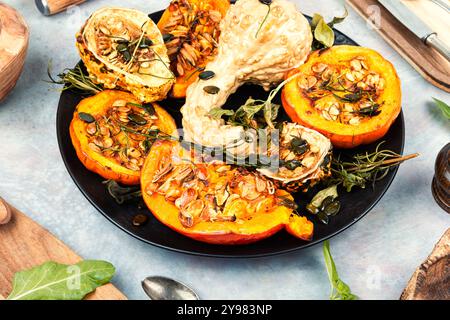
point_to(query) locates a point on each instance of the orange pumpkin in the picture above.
(250, 226)
(109, 148)
(192, 39)
(350, 94)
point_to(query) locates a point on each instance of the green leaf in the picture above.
(252, 107)
(337, 20)
(315, 20)
(217, 113)
(54, 281)
(445, 108)
(324, 34)
(339, 289)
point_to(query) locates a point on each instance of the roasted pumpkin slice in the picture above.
(350, 94)
(191, 31)
(112, 133)
(124, 48)
(214, 202)
(304, 158)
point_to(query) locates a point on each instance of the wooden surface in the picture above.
(56, 6)
(13, 47)
(25, 244)
(427, 61)
(431, 281)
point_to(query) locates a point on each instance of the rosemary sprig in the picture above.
(366, 168)
(75, 79)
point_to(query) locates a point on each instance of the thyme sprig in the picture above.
(366, 168)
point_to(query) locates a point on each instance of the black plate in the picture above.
(354, 205)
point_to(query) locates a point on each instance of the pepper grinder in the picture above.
(49, 7)
(441, 180)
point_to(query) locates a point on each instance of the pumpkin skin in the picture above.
(96, 162)
(300, 107)
(224, 233)
(182, 82)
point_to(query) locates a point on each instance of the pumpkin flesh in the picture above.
(192, 30)
(94, 149)
(240, 220)
(350, 94)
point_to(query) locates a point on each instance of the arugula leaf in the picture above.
(55, 281)
(445, 108)
(339, 289)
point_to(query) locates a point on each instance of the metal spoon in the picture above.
(162, 288)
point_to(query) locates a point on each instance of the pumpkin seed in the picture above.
(299, 146)
(211, 89)
(332, 208)
(167, 37)
(122, 47)
(322, 216)
(127, 55)
(137, 119)
(291, 165)
(86, 117)
(150, 109)
(266, 2)
(327, 201)
(139, 220)
(145, 43)
(91, 128)
(207, 74)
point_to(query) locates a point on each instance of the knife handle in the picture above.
(439, 45)
(49, 7)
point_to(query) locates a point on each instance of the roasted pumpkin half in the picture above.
(191, 32)
(214, 202)
(112, 133)
(123, 48)
(350, 94)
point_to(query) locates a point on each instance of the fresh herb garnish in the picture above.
(323, 32)
(339, 289)
(246, 115)
(122, 194)
(445, 108)
(75, 79)
(55, 281)
(365, 168)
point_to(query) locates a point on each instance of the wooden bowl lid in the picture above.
(13, 37)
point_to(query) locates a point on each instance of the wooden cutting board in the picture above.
(25, 244)
(427, 61)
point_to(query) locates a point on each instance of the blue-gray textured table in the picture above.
(376, 256)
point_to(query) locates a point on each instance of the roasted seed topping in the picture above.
(124, 133)
(354, 90)
(211, 89)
